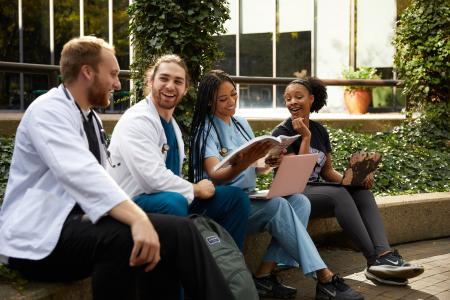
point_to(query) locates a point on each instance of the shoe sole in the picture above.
(270, 295)
(385, 271)
(373, 277)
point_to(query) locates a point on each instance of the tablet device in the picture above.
(291, 177)
(360, 165)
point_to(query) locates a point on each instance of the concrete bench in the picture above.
(407, 218)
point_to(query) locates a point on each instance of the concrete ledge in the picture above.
(79, 290)
(369, 123)
(406, 218)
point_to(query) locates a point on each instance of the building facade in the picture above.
(271, 38)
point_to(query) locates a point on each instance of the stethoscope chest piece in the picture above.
(165, 148)
(223, 151)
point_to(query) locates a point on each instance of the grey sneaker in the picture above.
(270, 286)
(336, 289)
(392, 265)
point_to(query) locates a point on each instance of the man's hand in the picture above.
(146, 241)
(146, 244)
(204, 189)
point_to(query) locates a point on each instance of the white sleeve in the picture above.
(57, 139)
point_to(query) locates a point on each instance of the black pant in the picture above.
(103, 251)
(356, 212)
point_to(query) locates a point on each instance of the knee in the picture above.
(275, 205)
(300, 203)
(176, 205)
(237, 199)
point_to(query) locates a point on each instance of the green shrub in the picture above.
(6, 150)
(186, 28)
(422, 58)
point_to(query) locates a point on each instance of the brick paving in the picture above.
(433, 284)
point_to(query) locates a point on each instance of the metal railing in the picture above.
(53, 70)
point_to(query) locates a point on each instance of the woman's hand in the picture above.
(301, 127)
(275, 160)
(369, 181)
(252, 154)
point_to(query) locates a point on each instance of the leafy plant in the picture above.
(422, 58)
(186, 28)
(360, 73)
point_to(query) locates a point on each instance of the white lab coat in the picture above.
(136, 143)
(51, 170)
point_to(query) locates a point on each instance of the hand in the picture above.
(275, 160)
(146, 244)
(301, 127)
(369, 181)
(252, 154)
(204, 189)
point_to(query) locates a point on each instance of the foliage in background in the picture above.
(6, 150)
(360, 73)
(185, 28)
(415, 155)
(422, 58)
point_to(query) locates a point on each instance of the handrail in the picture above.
(53, 69)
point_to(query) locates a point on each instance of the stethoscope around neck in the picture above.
(223, 151)
(103, 138)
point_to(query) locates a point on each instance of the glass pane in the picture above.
(255, 96)
(280, 93)
(122, 97)
(9, 91)
(120, 33)
(227, 44)
(34, 86)
(256, 54)
(257, 16)
(375, 28)
(66, 24)
(9, 35)
(231, 24)
(36, 32)
(96, 18)
(295, 15)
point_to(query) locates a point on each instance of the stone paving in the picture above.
(434, 283)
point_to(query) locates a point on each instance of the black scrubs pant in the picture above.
(356, 212)
(102, 250)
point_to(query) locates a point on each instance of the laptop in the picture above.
(360, 165)
(291, 177)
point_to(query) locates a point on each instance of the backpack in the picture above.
(228, 258)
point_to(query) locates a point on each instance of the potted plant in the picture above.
(358, 98)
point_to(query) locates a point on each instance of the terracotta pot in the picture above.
(357, 101)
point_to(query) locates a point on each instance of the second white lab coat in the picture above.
(136, 144)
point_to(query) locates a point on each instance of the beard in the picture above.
(98, 95)
(165, 104)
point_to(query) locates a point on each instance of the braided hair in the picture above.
(315, 87)
(203, 110)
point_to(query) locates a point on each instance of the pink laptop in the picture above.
(291, 177)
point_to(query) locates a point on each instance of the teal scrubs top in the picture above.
(173, 155)
(232, 138)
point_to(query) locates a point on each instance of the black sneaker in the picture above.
(392, 265)
(336, 289)
(270, 286)
(386, 280)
